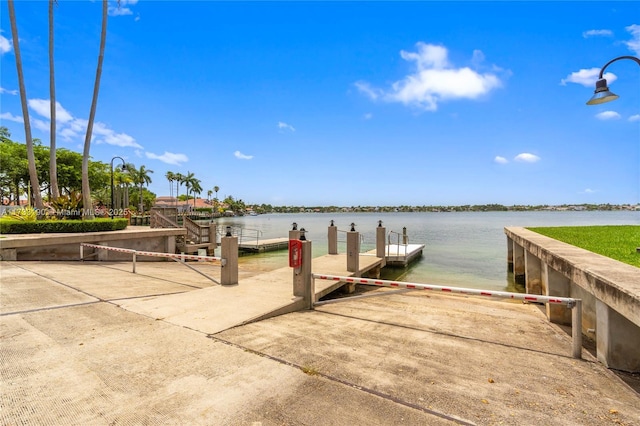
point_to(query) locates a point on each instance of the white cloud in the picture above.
(635, 117)
(120, 8)
(525, 157)
(594, 33)
(366, 88)
(10, 117)
(435, 79)
(8, 92)
(500, 160)
(286, 126)
(242, 156)
(588, 77)
(168, 157)
(5, 45)
(41, 125)
(589, 191)
(103, 134)
(608, 115)
(74, 129)
(42, 108)
(367, 116)
(634, 43)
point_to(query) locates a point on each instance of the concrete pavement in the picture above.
(92, 343)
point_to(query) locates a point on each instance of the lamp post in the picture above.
(124, 167)
(602, 93)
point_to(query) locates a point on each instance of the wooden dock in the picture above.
(402, 254)
(261, 246)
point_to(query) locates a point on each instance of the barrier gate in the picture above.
(574, 304)
(177, 257)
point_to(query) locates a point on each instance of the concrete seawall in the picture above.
(610, 292)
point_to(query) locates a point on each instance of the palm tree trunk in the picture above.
(33, 174)
(86, 190)
(53, 168)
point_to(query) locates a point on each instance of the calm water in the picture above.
(462, 249)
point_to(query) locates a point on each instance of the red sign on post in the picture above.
(295, 253)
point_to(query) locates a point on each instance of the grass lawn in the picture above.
(617, 242)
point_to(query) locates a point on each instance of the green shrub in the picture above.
(68, 207)
(23, 214)
(204, 209)
(8, 226)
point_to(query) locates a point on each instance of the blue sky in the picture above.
(345, 103)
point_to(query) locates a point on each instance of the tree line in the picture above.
(15, 179)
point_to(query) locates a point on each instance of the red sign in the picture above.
(295, 253)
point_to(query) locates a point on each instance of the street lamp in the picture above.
(124, 167)
(602, 93)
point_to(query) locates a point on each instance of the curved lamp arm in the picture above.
(602, 93)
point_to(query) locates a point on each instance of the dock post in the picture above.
(405, 238)
(353, 250)
(229, 251)
(381, 233)
(303, 284)
(332, 237)
(294, 233)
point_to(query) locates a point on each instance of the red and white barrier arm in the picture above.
(459, 290)
(157, 254)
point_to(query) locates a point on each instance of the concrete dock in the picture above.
(264, 245)
(93, 344)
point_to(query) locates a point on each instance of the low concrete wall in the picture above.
(67, 246)
(610, 292)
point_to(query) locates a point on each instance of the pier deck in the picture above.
(261, 246)
(402, 254)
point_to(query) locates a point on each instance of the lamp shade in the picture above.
(602, 93)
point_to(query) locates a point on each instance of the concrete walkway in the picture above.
(94, 344)
(217, 308)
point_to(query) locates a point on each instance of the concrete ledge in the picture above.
(609, 290)
(67, 246)
(614, 283)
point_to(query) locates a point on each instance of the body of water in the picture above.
(464, 249)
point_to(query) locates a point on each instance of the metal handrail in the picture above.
(345, 241)
(237, 231)
(405, 243)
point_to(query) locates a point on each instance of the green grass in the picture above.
(616, 242)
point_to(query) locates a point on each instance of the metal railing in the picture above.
(245, 235)
(574, 304)
(405, 242)
(344, 241)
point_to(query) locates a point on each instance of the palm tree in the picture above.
(209, 192)
(188, 183)
(86, 189)
(170, 177)
(196, 188)
(33, 173)
(53, 167)
(140, 177)
(122, 179)
(216, 189)
(179, 178)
